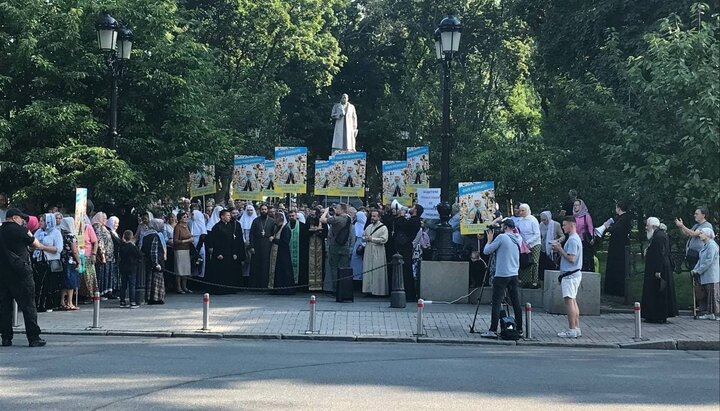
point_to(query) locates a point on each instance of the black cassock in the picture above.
(226, 240)
(260, 232)
(658, 297)
(283, 263)
(616, 261)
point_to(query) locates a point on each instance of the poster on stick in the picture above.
(267, 179)
(202, 182)
(350, 169)
(477, 206)
(247, 178)
(394, 175)
(418, 166)
(429, 198)
(291, 170)
(323, 177)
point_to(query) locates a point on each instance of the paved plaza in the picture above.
(253, 315)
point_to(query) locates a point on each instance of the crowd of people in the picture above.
(226, 247)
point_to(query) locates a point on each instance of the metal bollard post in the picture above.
(15, 322)
(313, 313)
(206, 312)
(96, 310)
(528, 321)
(638, 324)
(420, 313)
(397, 293)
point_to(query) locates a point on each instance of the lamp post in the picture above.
(115, 41)
(447, 42)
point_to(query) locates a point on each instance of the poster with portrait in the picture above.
(323, 177)
(202, 182)
(247, 178)
(267, 179)
(291, 170)
(418, 167)
(394, 175)
(477, 206)
(349, 169)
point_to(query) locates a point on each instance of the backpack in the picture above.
(342, 236)
(508, 329)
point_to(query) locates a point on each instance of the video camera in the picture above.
(496, 228)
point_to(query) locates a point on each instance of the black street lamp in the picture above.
(115, 41)
(447, 43)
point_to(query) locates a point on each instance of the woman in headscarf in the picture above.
(658, 296)
(112, 225)
(154, 257)
(246, 220)
(529, 229)
(550, 231)
(228, 251)
(49, 269)
(280, 259)
(143, 227)
(71, 261)
(356, 260)
(33, 224)
(107, 282)
(586, 232)
(214, 218)
(199, 233)
(167, 235)
(183, 242)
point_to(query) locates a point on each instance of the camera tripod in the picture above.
(505, 303)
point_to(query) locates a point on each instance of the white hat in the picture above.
(653, 222)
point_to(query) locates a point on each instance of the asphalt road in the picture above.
(146, 373)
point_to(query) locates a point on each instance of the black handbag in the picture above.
(55, 266)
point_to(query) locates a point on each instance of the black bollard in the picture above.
(397, 293)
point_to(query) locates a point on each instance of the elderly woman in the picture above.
(199, 233)
(707, 273)
(529, 229)
(550, 231)
(154, 256)
(48, 270)
(107, 281)
(586, 232)
(658, 296)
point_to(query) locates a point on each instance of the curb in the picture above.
(681, 345)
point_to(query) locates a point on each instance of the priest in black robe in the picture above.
(261, 246)
(228, 252)
(658, 297)
(317, 232)
(299, 248)
(281, 277)
(617, 260)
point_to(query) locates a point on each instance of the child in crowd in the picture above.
(130, 259)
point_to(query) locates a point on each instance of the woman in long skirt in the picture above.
(154, 256)
(183, 241)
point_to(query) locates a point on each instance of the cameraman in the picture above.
(507, 264)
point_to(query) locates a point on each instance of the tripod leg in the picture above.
(477, 308)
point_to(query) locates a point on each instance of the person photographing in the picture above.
(506, 247)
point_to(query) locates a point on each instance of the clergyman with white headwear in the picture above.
(346, 125)
(658, 297)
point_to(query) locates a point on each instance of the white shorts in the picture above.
(570, 286)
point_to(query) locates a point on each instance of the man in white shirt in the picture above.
(570, 276)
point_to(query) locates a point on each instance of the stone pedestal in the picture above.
(444, 280)
(588, 297)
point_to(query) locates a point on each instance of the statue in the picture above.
(345, 125)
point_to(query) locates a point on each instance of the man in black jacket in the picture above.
(406, 229)
(16, 277)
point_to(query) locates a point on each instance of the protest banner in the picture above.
(202, 182)
(429, 198)
(323, 177)
(291, 170)
(394, 176)
(350, 171)
(477, 206)
(247, 178)
(267, 179)
(418, 166)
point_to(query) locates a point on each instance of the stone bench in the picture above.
(588, 297)
(444, 280)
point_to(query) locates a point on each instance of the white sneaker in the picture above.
(489, 334)
(568, 334)
(579, 333)
(710, 316)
